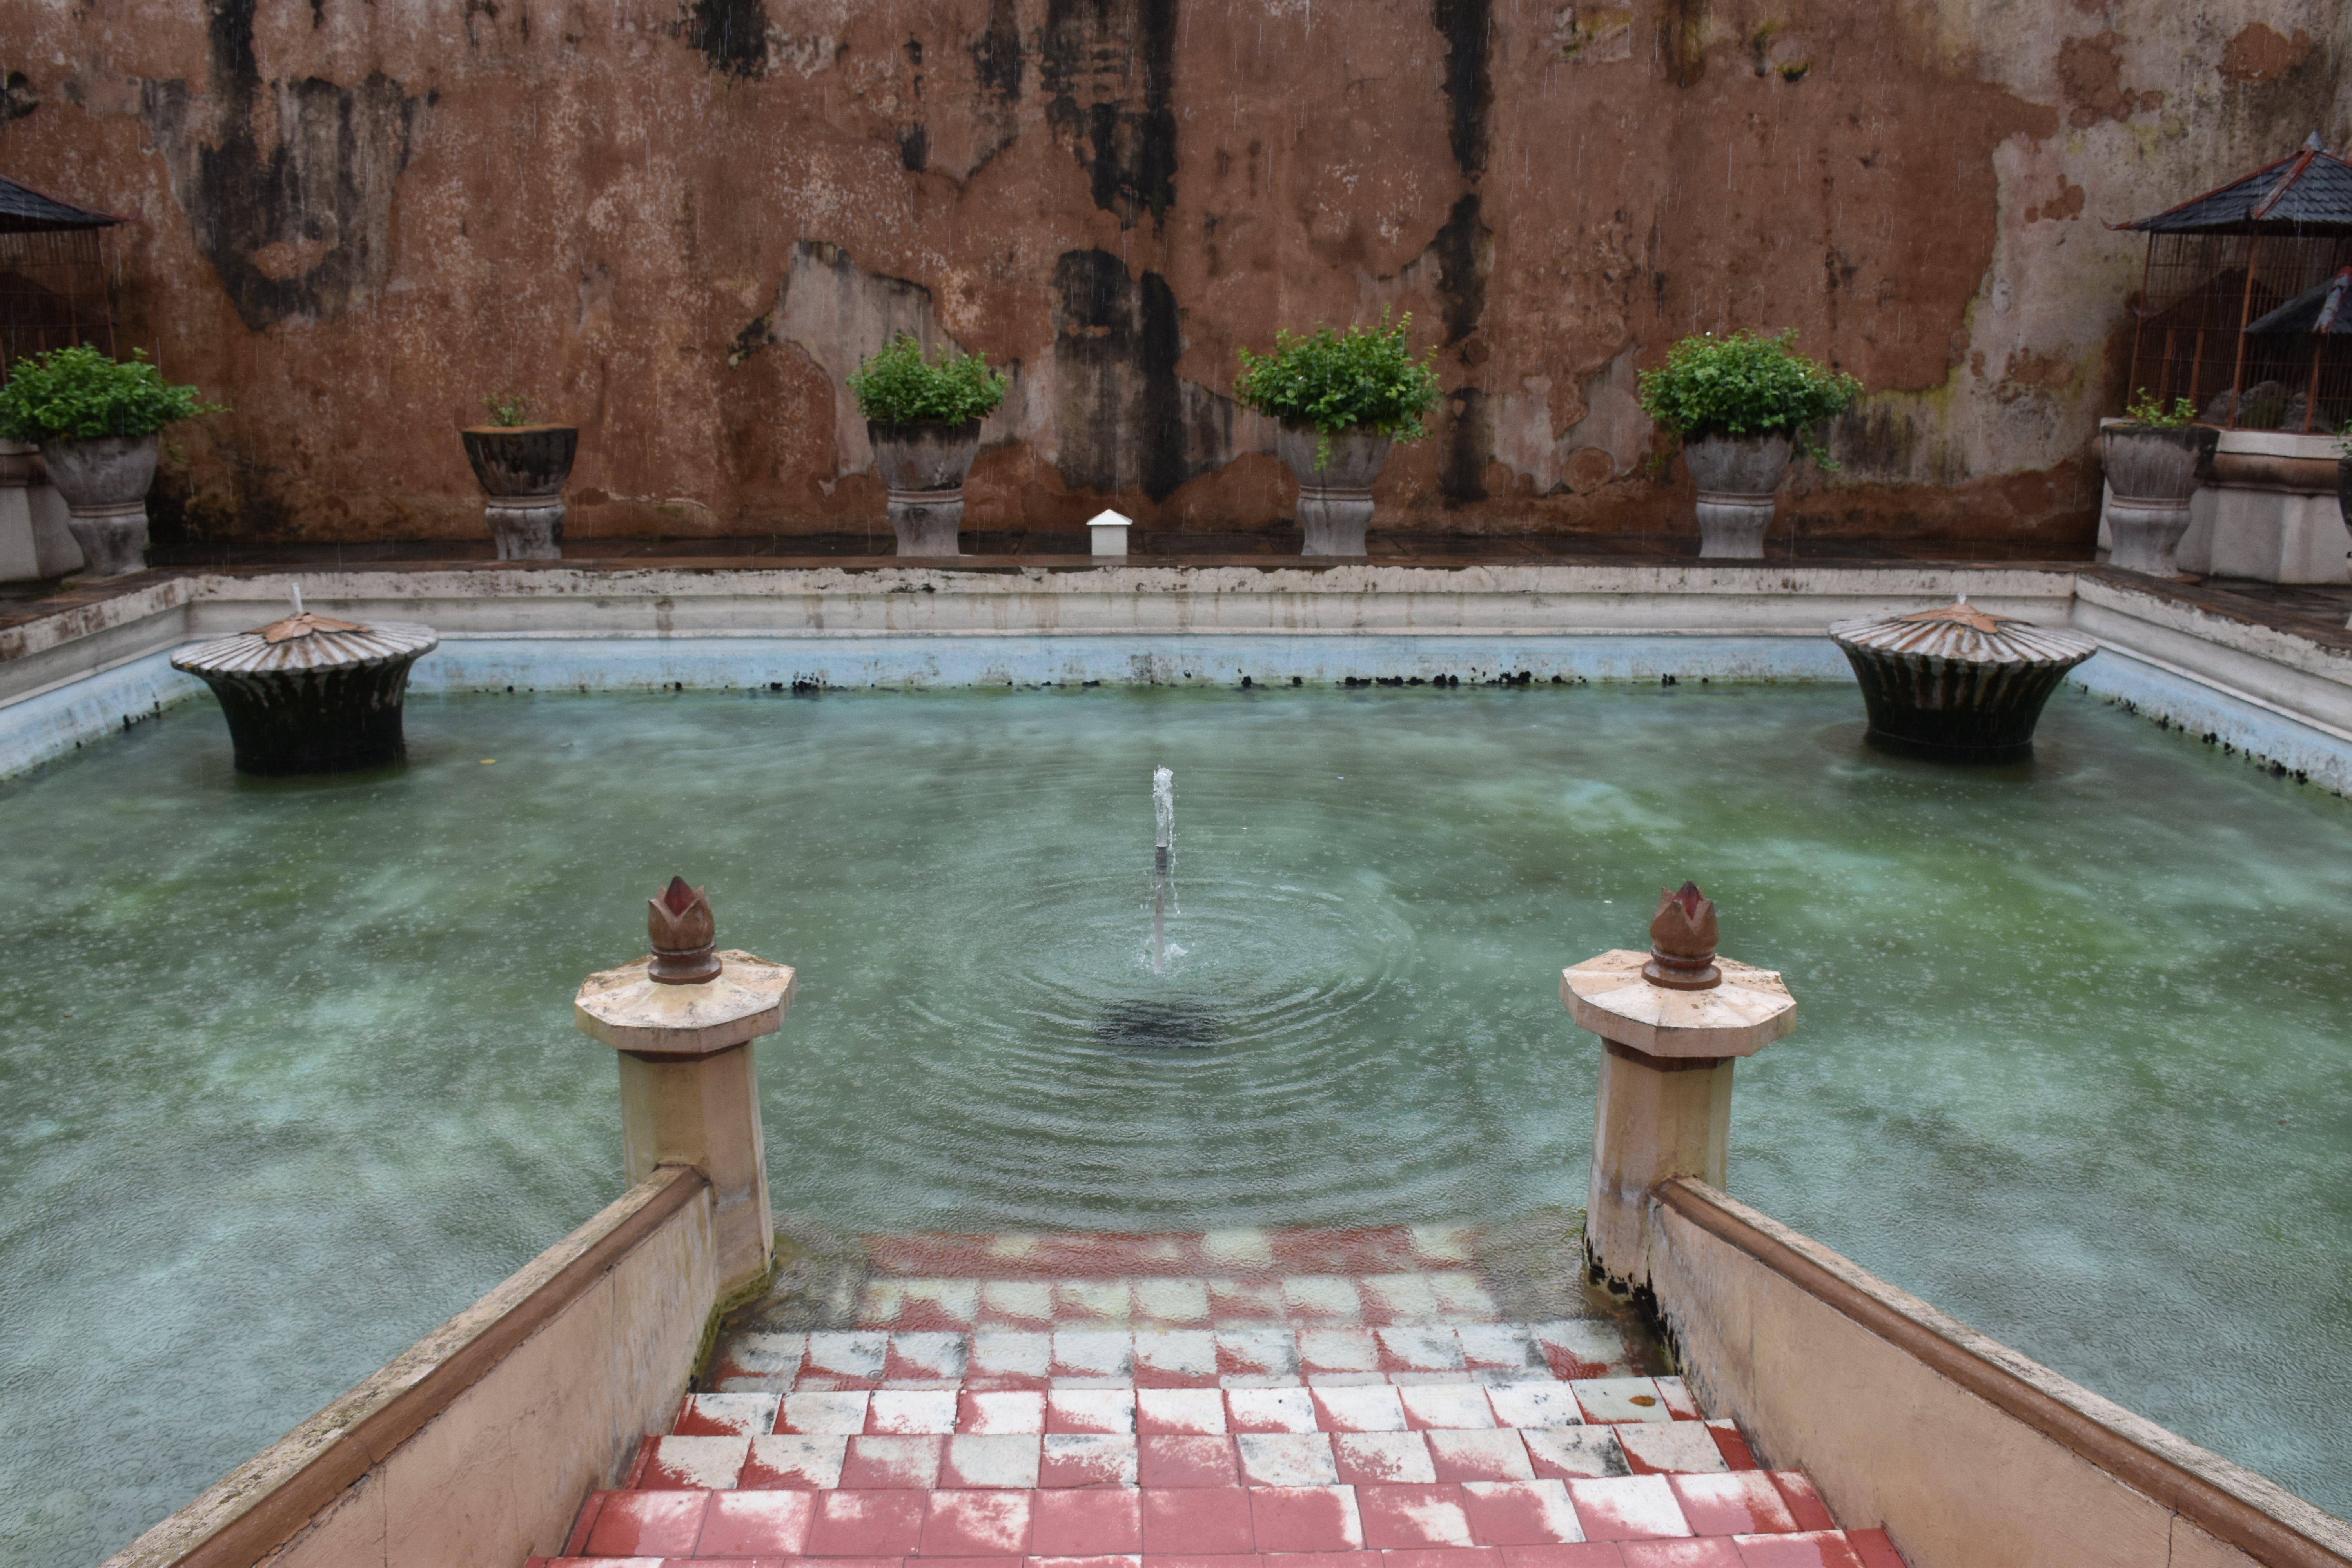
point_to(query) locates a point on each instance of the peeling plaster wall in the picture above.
(678, 224)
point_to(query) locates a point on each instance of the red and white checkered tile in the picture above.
(1210, 1401)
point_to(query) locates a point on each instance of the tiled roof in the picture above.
(24, 210)
(2308, 191)
(2326, 308)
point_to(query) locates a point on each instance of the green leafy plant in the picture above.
(1364, 378)
(510, 410)
(2343, 438)
(1747, 384)
(900, 385)
(2149, 410)
(78, 393)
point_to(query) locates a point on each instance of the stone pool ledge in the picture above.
(95, 662)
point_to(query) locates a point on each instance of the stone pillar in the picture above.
(1671, 1022)
(683, 1019)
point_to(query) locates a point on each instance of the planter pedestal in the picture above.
(923, 465)
(1335, 498)
(104, 482)
(1736, 476)
(526, 531)
(927, 522)
(523, 470)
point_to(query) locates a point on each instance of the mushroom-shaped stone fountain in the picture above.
(1957, 683)
(311, 695)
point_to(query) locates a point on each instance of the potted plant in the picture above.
(923, 418)
(95, 419)
(1741, 408)
(1343, 399)
(2154, 460)
(522, 467)
(2343, 471)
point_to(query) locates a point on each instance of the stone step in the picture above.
(1176, 1300)
(1235, 1355)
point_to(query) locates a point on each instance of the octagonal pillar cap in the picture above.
(632, 1012)
(1739, 1017)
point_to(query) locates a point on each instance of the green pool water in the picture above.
(289, 1073)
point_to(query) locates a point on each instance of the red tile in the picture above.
(1195, 1559)
(1875, 1549)
(1742, 1502)
(1444, 1557)
(866, 1523)
(1174, 1461)
(1399, 1518)
(648, 1524)
(876, 1464)
(1679, 1403)
(576, 1544)
(1628, 1508)
(1805, 1504)
(1584, 1554)
(1733, 1447)
(1320, 1560)
(646, 1447)
(1198, 1521)
(745, 1524)
(1814, 1548)
(726, 1416)
(852, 1562)
(1113, 1559)
(1706, 1552)
(1307, 1518)
(1087, 1521)
(977, 1524)
(1520, 1514)
(1085, 1459)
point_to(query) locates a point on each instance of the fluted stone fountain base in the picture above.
(1957, 684)
(308, 695)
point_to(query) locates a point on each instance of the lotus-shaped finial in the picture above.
(1681, 941)
(684, 938)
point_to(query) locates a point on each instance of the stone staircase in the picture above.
(1204, 1401)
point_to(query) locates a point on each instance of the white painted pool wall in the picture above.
(70, 680)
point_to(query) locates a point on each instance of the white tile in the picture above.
(1099, 1300)
(881, 1301)
(1245, 1304)
(1271, 1409)
(998, 1412)
(1445, 1242)
(1091, 1410)
(1339, 1350)
(1238, 1249)
(907, 1414)
(1575, 1450)
(985, 1460)
(1532, 1403)
(1628, 1506)
(1680, 1405)
(1191, 1410)
(1325, 1297)
(1016, 1300)
(768, 1353)
(1555, 1513)
(798, 1460)
(1677, 1447)
(903, 1461)
(1490, 1456)
(840, 1413)
(1172, 1300)
(848, 1354)
(1384, 1458)
(712, 1463)
(1273, 1352)
(1400, 1296)
(1501, 1345)
(1594, 1344)
(1177, 1352)
(938, 1355)
(1614, 1399)
(958, 1300)
(1436, 1518)
(1420, 1348)
(1374, 1409)
(1357, 1379)
(1092, 1353)
(739, 1414)
(1108, 1459)
(1010, 1353)
(1459, 1406)
(1287, 1459)
(1461, 1295)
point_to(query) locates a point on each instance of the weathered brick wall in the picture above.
(677, 227)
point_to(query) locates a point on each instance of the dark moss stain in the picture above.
(996, 54)
(1469, 436)
(1467, 27)
(1122, 414)
(732, 34)
(1092, 54)
(1682, 41)
(17, 97)
(757, 335)
(299, 228)
(915, 139)
(1465, 250)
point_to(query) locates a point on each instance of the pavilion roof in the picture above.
(2308, 192)
(24, 210)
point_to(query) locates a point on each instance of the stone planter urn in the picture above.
(2344, 489)
(104, 482)
(2152, 474)
(1334, 497)
(1736, 476)
(924, 463)
(523, 470)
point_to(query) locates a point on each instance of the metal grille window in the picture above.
(57, 275)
